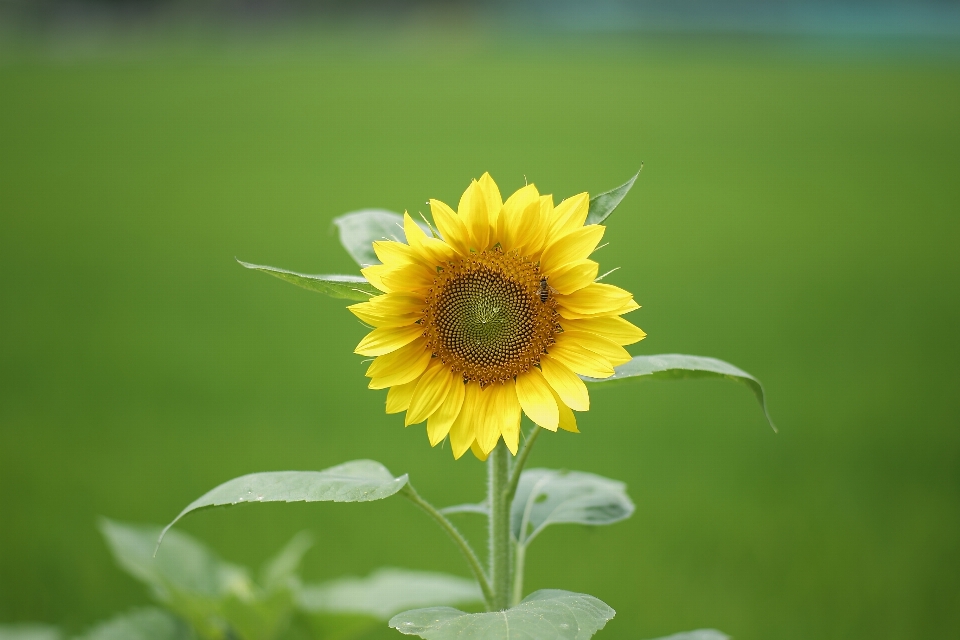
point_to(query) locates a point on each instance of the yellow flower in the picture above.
(497, 315)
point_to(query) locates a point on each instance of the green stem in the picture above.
(500, 542)
(465, 548)
(520, 462)
(520, 556)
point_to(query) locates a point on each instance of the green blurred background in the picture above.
(798, 215)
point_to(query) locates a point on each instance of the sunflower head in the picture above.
(494, 314)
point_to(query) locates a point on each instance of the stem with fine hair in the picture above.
(465, 548)
(501, 545)
(520, 462)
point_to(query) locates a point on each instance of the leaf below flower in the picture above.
(548, 614)
(345, 287)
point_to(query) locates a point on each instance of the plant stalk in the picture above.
(465, 548)
(501, 545)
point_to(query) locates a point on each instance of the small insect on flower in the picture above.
(495, 317)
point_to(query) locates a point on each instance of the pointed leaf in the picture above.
(543, 615)
(283, 567)
(674, 366)
(345, 287)
(142, 624)
(387, 592)
(29, 631)
(603, 204)
(357, 481)
(699, 634)
(360, 229)
(547, 496)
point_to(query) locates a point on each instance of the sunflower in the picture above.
(496, 314)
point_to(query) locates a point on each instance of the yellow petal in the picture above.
(581, 361)
(438, 424)
(398, 397)
(528, 226)
(488, 417)
(389, 310)
(513, 210)
(626, 308)
(491, 196)
(569, 216)
(400, 366)
(574, 276)
(430, 392)
(409, 277)
(616, 329)
(535, 245)
(463, 431)
(425, 249)
(510, 415)
(568, 421)
(372, 274)
(451, 227)
(393, 253)
(473, 212)
(608, 349)
(536, 399)
(386, 339)
(595, 299)
(567, 385)
(415, 235)
(573, 246)
(477, 451)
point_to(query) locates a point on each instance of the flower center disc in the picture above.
(484, 317)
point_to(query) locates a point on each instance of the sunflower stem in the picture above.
(465, 548)
(520, 462)
(501, 546)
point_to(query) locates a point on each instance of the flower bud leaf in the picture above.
(674, 366)
(346, 287)
(548, 614)
(147, 623)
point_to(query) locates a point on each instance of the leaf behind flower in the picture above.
(675, 366)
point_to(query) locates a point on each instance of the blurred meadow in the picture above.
(798, 215)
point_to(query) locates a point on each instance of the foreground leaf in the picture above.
(185, 570)
(547, 496)
(603, 204)
(387, 592)
(143, 624)
(674, 366)
(360, 229)
(29, 631)
(699, 634)
(346, 287)
(357, 481)
(543, 615)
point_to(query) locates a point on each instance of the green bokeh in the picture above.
(797, 216)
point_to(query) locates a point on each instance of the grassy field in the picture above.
(798, 215)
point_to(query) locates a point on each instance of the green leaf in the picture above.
(699, 634)
(357, 481)
(345, 287)
(280, 570)
(387, 592)
(547, 496)
(543, 615)
(603, 204)
(142, 624)
(674, 366)
(186, 568)
(29, 631)
(360, 229)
